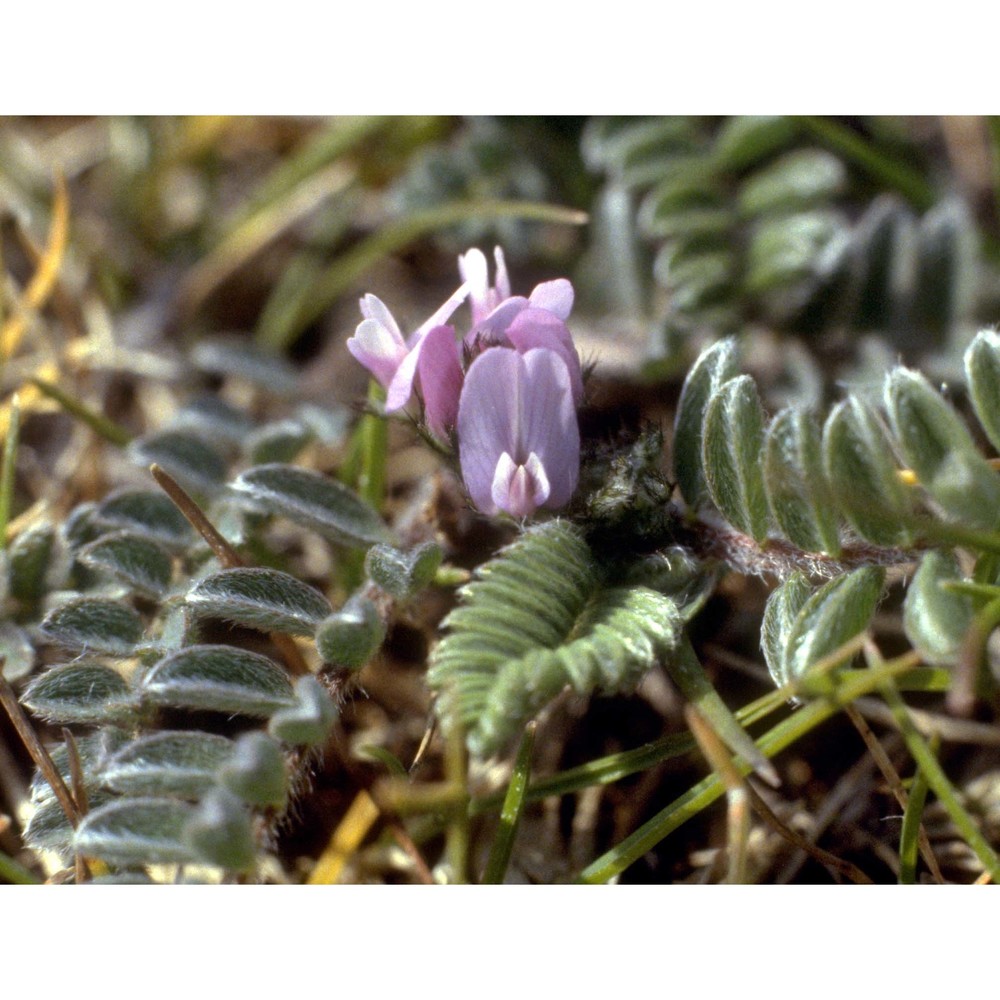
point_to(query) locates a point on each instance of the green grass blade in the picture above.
(14, 873)
(7, 469)
(686, 671)
(702, 795)
(510, 815)
(102, 425)
(938, 781)
(909, 835)
(859, 151)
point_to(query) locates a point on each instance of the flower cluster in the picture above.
(508, 388)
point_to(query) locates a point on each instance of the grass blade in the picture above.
(510, 816)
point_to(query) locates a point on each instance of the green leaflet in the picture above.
(140, 563)
(780, 612)
(96, 625)
(401, 573)
(862, 474)
(982, 369)
(796, 181)
(190, 460)
(838, 611)
(310, 719)
(255, 771)
(17, 651)
(732, 442)
(266, 599)
(315, 501)
(534, 620)
(935, 619)
(34, 558)
(233, 356)
(350, 637)
(136, 831)
(715, 366)
(219, 831)
(280, 441)
(746, 139)
(215, 678)
(170, 763)
(940, 450)
(148, 513)
(796, 485)
(83, 691)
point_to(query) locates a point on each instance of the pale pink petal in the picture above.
(555, 296)
(493, 327)
(502, 284)
(474, 271)
(440, 373)
(372, 307)
(440, 315)
(549, 426)
(488, 420)
(519, 489)
(533, 328)
(400, 389)
(380, 349)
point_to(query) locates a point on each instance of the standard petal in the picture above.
(555, 296)
(533, 328)
(440, 373)
(380, 349)
(549, 426)
(489, 420)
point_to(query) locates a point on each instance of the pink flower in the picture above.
(514, 409)
(518, 438)
(555, 297)
(430, 352)
(516, 321)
